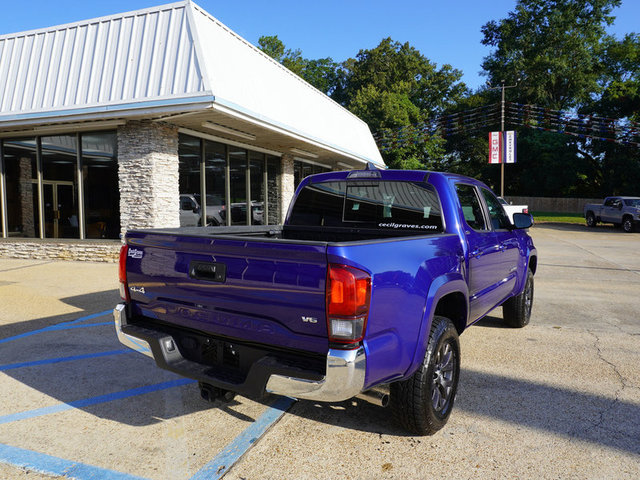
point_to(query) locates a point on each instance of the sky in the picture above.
(445, 31)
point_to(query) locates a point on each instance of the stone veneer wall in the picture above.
(80, 250)
(148, 172)
(287, 186)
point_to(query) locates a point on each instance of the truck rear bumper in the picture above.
(344, 378)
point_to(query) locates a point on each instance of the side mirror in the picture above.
(619, 206)
(522, 220)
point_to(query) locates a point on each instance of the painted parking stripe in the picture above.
(48, 465)
(51, 361)
(221, 464)
(86, 402)
(60, 326)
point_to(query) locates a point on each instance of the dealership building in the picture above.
(149, 119)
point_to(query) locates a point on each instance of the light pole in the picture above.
(502, 87)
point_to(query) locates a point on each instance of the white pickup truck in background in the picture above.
(511, 209)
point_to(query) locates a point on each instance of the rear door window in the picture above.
(471, 207)
(499, 219)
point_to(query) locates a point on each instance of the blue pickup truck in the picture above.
(363, 291)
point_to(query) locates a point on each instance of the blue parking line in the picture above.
(87, 402)
(50, 361)
(221, 464)
(48, 465)
(61, 326)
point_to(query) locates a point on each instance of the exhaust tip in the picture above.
(376, 397)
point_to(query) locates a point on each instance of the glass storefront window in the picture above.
(190, 154)
(60, 192)
(303, 169)
(21, 192)
(238, 177)
(100, 178)
(215, 170)
(247, 183)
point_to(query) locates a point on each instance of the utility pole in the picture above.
(503, 87)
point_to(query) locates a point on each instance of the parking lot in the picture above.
(557, 399)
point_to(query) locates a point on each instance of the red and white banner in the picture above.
(495, 147)
(502, 147)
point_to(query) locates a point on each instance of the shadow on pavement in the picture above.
(563, 412)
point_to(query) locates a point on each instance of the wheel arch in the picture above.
(448, 297)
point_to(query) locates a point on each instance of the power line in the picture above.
(583, 126)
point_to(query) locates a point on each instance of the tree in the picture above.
(566, 60)
(554, 46)
(393, 86)
(321, 73)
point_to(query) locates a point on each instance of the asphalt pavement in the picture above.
(559, 398)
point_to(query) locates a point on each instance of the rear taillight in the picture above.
(348, 298)
(122, 273)
(525, 210)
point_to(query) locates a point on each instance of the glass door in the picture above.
(60, 217)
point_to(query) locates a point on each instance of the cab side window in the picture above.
(499, 219)
(471, 207)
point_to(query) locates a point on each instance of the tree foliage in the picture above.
(393, 85)
(554, 46)
(321, 73)
(565, 60)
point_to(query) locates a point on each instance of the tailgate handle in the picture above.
(211, 271)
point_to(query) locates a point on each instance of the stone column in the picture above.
(148, 175)
(287, 186)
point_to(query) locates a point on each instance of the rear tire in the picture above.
(517, 310)
(591, 220)
(422, 403)
(627, 224)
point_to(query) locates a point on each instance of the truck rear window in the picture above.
(378, 204)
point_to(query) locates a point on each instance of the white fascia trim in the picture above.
(229, 108)
(140, 108)
(214, 138)
(193, 30)
(284, 69)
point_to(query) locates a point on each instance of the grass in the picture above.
(558, 217)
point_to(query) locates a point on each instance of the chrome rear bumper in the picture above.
(132, 342)
(344, 378)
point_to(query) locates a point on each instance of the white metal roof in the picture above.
(167, 59)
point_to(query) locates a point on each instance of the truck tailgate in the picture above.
(254, 290)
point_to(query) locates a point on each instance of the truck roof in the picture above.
(397, 175)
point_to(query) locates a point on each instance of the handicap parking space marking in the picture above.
(50, 361)
(234, 451)
(77, 323)
(87, 402)
(48, 465)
